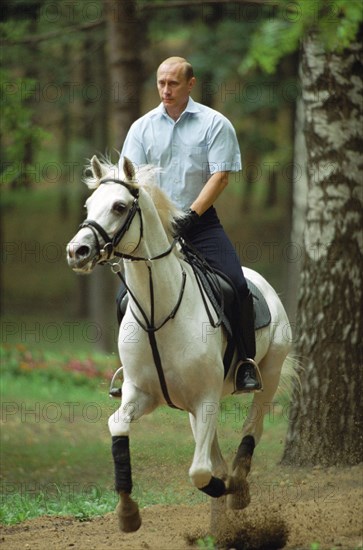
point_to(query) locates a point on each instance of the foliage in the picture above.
(335, 21)
(18, 129)
(207, 542)
(38, 83)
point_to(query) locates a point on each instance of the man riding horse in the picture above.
(197, 148)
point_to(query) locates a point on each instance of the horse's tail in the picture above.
(290, 374)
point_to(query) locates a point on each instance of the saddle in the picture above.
(222, 292)
(225, 296)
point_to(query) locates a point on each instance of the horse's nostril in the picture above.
(83, 251)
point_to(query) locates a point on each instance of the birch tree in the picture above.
(326, 414)
(325, 417)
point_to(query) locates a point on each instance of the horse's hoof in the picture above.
(238, 496)
(129, 519)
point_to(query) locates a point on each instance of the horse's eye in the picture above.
(118, 207)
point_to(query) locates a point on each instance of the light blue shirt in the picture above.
(200, 143)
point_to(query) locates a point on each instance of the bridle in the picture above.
(111, 243)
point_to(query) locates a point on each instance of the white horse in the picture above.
(174, 356)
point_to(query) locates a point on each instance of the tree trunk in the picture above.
(299, 201)
(124, 31)
(271, 197)
(250, 165)
(326, 416)
(31, 71)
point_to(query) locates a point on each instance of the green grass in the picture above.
(56, 500)
(56, 447)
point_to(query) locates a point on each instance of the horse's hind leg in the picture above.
(238, 488)
(134, 404)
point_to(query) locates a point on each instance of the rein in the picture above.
(109, 248)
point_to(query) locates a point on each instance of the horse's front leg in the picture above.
(127, 509)
(203, 423)
(133, 405)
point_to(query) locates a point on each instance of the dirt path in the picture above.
(295, 509)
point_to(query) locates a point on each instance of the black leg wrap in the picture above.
(121, 457)
(215, 488)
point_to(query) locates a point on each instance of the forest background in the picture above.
(60, 103)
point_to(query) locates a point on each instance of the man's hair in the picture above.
(187, 67)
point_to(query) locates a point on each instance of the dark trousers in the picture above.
(211, 241)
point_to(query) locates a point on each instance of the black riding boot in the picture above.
(247, 376)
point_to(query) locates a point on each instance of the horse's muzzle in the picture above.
(80, 257)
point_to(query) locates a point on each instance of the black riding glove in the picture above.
(183, 225)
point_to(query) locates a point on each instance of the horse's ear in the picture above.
(96, 168)
(129, 169)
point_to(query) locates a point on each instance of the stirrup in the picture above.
(258, 377)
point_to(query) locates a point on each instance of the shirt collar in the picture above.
(192, 107)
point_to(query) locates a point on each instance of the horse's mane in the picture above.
(145, 178)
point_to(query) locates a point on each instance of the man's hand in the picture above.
(183, 225)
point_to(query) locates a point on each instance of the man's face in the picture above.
(173, 87)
